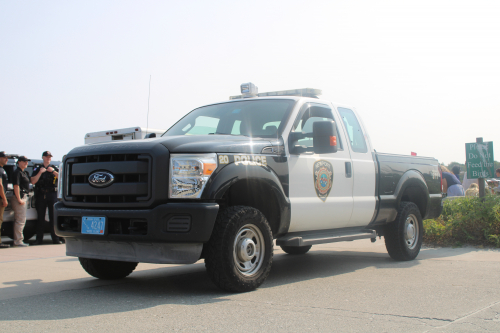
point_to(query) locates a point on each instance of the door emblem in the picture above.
(323, 178)
(101, 179)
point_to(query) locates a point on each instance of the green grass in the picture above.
(467, 220)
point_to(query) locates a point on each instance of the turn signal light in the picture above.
(333, 141)
(209, 168)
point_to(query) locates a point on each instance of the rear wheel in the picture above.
(107, 269)
(296, 249)
(403, 237)
(239, 253)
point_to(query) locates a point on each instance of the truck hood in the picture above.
(214, 144)
(180, 144)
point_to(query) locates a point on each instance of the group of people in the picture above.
(44, 178)
(468, 187)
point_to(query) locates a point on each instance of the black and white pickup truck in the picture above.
(230, 178)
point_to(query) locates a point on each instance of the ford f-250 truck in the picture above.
(229, 178)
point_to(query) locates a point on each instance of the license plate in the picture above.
(93, 225)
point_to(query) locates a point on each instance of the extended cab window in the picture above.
(356, 137)
(254, 118)
(307, 117)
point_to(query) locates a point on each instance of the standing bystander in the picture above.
(3, 189)
(21, 182)
(451, 184)
(44, 178)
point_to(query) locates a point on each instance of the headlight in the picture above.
(189, 174)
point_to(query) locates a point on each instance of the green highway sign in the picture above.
(480, 163)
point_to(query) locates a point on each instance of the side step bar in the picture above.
(323, 236)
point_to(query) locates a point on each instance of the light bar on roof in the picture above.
(305, 92)
(248, 90)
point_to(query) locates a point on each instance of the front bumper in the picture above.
(172, 233)
(167, 223)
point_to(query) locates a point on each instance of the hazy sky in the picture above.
(425, 76)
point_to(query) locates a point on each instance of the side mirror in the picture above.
(150, 135)
(324, 137)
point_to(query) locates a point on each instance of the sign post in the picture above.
(480, 162)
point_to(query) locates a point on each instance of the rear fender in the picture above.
(411, 187)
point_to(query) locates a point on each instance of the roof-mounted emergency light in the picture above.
(247, 91)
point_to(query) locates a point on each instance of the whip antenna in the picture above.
(149, 95)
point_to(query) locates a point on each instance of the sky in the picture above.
(423, 75)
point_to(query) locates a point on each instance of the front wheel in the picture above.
(239, 253)
(403, 237)
(107, 269)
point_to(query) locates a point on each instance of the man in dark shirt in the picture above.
(3, 189)
(21, 182)
(44, 178)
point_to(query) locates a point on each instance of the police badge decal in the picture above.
(323, 178)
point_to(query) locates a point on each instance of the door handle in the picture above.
(348, 169)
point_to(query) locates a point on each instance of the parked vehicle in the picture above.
(230, 177)
(31, 215)
(121, 134)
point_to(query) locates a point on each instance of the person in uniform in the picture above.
(3, 189)
(21, 182)
(44, 178)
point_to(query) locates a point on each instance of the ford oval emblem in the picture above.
(101, 179)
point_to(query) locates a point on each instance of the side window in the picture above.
(310, 116)
(306, 126)
(203, 125)
(356, 137)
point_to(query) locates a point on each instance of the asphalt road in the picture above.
(343, 287)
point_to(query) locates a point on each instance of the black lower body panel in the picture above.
(172, 233)
(167, 223)
(435, 206)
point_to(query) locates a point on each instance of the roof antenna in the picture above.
(149, 94)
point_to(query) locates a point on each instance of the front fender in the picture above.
(262, 177)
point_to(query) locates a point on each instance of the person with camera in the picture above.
(44, 178)
(21, 183)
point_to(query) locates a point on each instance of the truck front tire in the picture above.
(403, 237)
(239, 253)
(107, 269)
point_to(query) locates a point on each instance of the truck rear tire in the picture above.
(239, 253)
(296, 249)
(107, 269)
(403, 237)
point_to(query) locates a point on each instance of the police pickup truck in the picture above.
(229, 178)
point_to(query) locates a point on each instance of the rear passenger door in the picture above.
(363, 168)
(320, 189)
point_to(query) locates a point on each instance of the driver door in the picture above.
(321, 191)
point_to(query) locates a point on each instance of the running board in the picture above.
(323, 236)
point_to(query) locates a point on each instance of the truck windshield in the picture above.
(253, 118)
